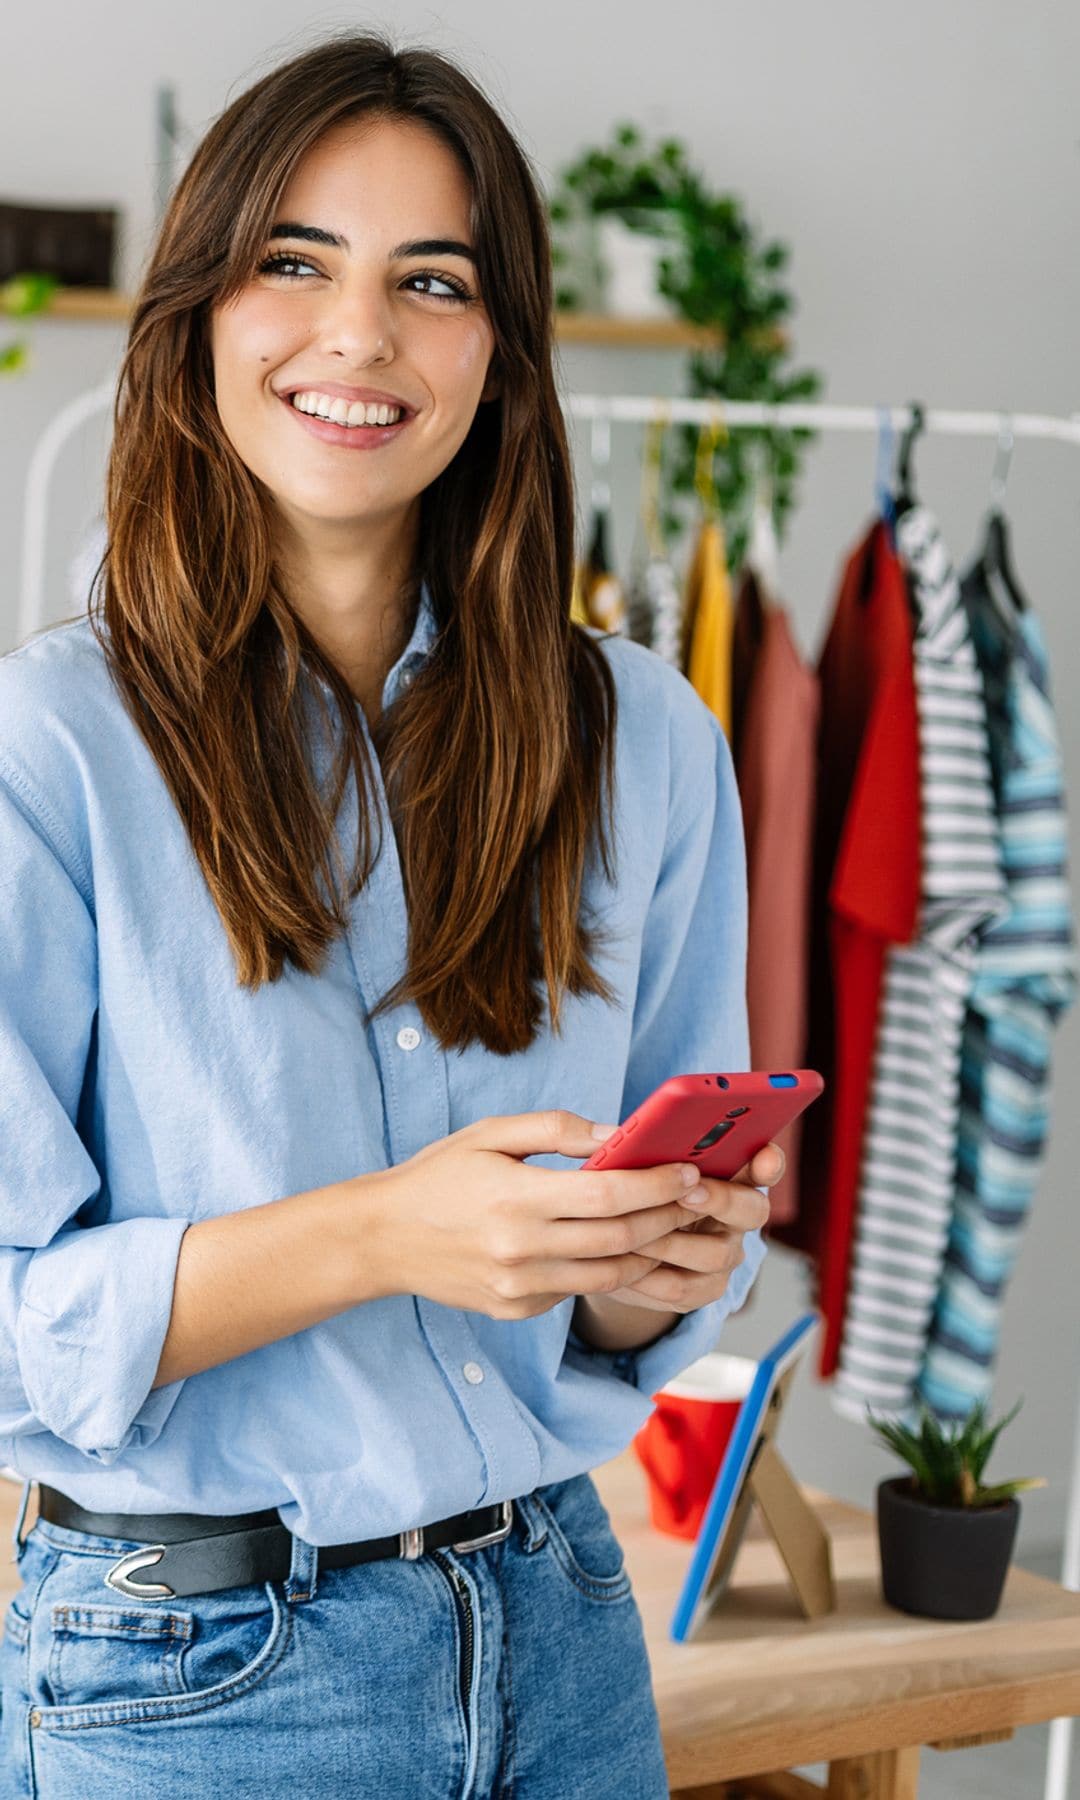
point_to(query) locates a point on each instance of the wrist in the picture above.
(608, 1324)
(357, 1224)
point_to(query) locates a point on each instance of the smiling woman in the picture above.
(311, 1326)
(358, 266)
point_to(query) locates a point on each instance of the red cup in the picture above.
(682, 1444)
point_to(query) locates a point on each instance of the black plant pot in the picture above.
(943, 1562)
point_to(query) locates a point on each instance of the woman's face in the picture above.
(365, 312)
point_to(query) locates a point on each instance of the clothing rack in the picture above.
(633, 409)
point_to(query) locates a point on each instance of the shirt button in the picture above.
(408, 1037)
(473, 1372)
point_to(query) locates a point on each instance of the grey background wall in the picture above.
(924, 164)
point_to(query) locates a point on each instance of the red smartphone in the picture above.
(716, 1121)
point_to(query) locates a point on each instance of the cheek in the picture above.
(248, 342)
(468, 362)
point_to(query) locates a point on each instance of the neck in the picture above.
(358, 602)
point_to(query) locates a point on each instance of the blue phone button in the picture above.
(783, 1081)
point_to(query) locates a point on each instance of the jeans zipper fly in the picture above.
(461, 1589)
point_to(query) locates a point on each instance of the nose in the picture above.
(358, 325)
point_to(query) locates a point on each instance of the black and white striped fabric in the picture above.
(907, 1178)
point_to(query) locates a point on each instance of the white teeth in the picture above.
(341, 412)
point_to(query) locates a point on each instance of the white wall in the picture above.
(923, 162)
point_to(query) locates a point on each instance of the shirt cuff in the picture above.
(694, 1335)
(94, 1314)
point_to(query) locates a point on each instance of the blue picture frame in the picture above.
(728, 1510)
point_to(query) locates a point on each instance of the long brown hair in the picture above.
(493, 758)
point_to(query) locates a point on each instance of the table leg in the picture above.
(885, 1775)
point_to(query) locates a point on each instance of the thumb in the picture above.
(555, 1129)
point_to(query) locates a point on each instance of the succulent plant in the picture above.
(947, 1461)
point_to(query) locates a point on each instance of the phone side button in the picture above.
(631, 1124)
(615, 1138)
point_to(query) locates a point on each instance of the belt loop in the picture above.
(303, 1573)
(16, 1538)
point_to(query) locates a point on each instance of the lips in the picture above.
(347, 437)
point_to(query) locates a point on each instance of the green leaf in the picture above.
(26, 293)
(1005, 1490)
(13, 357)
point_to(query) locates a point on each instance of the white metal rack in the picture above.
(604, 410)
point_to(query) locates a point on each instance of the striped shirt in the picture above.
(1025, 978)
(906, 1179)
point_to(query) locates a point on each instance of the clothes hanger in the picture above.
(906, 497)
(994, 557)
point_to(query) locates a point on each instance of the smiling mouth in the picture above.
(357, 437)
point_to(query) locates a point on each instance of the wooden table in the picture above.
(763, 1690)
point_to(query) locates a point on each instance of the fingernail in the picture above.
(603, 1131)
(690, 1174)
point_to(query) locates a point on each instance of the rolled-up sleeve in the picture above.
(690, 1010)
(84, 1307)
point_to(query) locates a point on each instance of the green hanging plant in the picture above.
(20, 296)
(717, 274)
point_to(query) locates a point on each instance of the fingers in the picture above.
(765, 1169)
(730, 1203)
(607, 1193)
(535, 1133)
(715, 1252)
(595, 1275)
(607, 1237)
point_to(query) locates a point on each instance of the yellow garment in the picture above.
(709, 623)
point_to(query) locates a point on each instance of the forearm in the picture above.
(609, 1324)
(250, 1277)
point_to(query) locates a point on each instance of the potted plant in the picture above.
(708, 264)
(946, 1540)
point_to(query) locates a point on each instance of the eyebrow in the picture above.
(314, 234)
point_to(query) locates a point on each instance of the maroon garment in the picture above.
(864, 893)
(775, 721)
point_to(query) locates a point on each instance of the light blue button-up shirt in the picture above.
(141, 1089)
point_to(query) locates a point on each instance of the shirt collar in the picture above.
(416, 651)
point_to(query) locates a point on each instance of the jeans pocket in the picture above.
(95, 1662)
(581, 1539)
(102, 1653)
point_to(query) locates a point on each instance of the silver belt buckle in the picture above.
(119, 1576)
(411, 1543)
(492, 1537)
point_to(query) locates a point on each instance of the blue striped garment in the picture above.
(1026, 977)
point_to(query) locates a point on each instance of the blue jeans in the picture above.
(514, 1672)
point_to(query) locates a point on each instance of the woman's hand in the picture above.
(694, 1263)
(467, 1222)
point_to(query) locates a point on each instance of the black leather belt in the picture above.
(200, 1553)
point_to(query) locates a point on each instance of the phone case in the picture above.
(716, 1121)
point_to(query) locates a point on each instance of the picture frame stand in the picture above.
(796, 1530)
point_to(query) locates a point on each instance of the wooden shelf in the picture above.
(104, 304)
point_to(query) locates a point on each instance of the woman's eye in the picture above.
(275, 265)
(458, 291)
(285, 263)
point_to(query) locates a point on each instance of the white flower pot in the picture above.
(630, 261)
